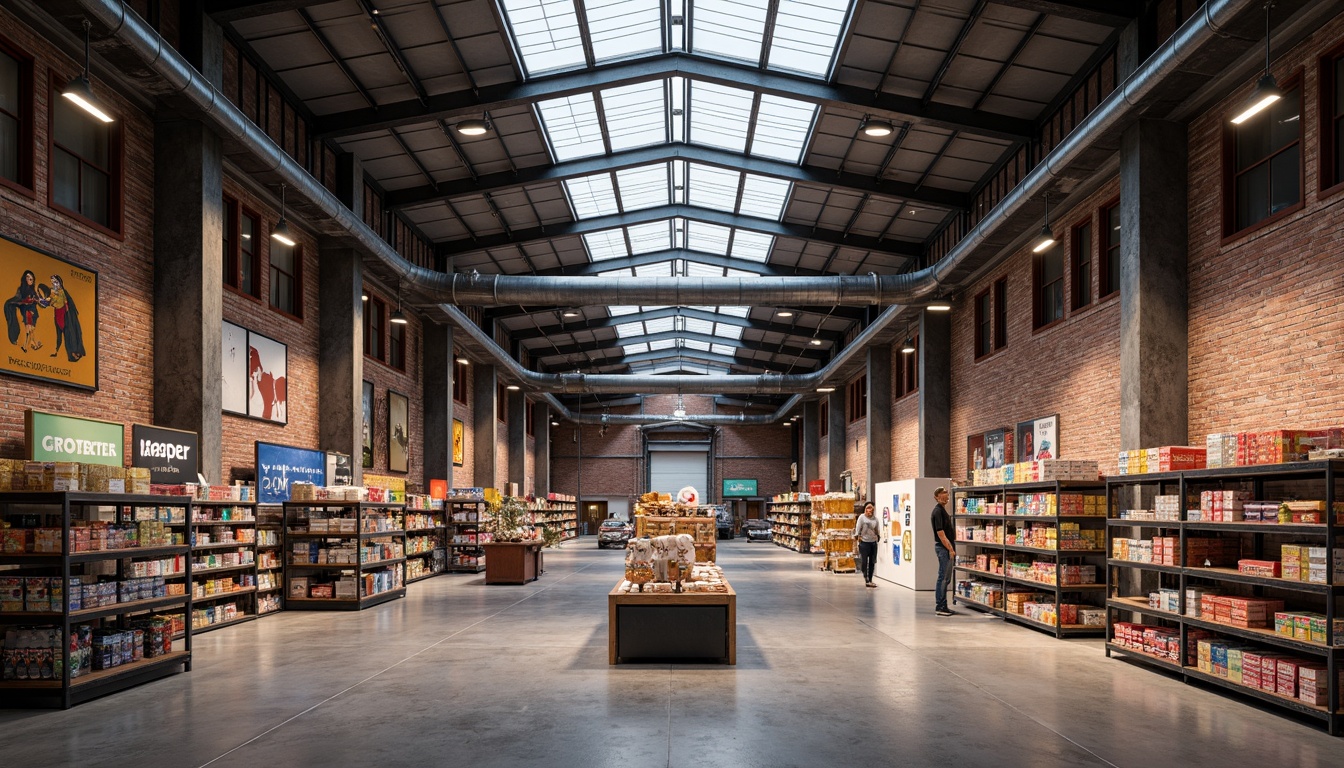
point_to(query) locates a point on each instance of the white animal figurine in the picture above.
(678, 550)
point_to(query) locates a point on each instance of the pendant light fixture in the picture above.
(908, 346)
(281, 233)
(78, 89)
(680, 411)
(940, 305)
(1266, 91)
(474, 127)
(1046, 238)
(876, 128)
(398, 317)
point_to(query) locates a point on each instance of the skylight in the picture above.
(782, 128)
(592, 196)
(710, 238)
(607, 244)
(624, 28)
(720, 116)
(547, 34)
(805, 35)
(763, 196)
(654, 236)
(643, 187)
(572, 126)
(752, 246)
(636, 115)
(733, 29)
(700, 185)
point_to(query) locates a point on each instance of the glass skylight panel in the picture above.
(654, 236)
(607, 244)
(636, 115)
(724, 349)
(619, 311)
(643, 187)
(740, 273)
(752, 246)
(702, 346)
(624, 272)
(782, 128)
(626, 330)
(726, 331)
(710, 238)
(805, 35)
(712, 187)
(763, 197)
(547, 34)
(733, 29)
(635, 349)
(654, 346)
(734, 311)
(571, 125)
(592, 196)
(696, 325)
(661, 269)
(696, 269)
(719, 116)
(623, 28)
(659, 325)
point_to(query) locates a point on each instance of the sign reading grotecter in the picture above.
(170, 455)
(52, 437)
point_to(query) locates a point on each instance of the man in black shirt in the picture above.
(944, 535)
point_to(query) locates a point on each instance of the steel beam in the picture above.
(1107, 13)
(812, 353)
(539, 331)
(237, 10)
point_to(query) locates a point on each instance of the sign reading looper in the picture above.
(170, 455)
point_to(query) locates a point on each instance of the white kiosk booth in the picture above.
(905, 555)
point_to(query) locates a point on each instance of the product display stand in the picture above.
(55, 675)
(558, 513)
(426, 544)
(270, 558)
(643, 626)
(223, 563)
(790, 524)
(1191, 611)
(1053, 581)
(512, 562)
(355, 554)
(465, 517)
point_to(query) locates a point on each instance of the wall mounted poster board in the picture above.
(975, 453)
(51, 318)
(459, 444)
(1038, 439)
(998, 448)
(170, 455)
(233, 368)
(340, 469)
(267, 364)
(280, 465)
(367, 404)
(398, 433)
(53, 437)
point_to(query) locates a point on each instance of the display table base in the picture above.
(690, 626)
(508, 562)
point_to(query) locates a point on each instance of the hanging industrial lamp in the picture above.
(1046, 238)
(79, 91)
(281, 233)
(474, 127)
(1266, 91)
(876, 128)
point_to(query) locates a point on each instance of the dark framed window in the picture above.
(1001, 313)
(396, 346)
(1332, 119)
(856, 399)
(287, 278)
(460, 373)
(16, 117)
(1263, 164)
(501, 404)
(824, 418)
(1109, 271)
(907, 371)
(1080, 263)
(375, 319)
(984, 328)
(529, 422)
(242, 259)
(85, 172)
(1047, 277)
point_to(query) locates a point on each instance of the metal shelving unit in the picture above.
(364, 532)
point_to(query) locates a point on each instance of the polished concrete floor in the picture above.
(828, 674)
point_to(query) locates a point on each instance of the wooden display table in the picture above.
(666, 625)
(512, 562)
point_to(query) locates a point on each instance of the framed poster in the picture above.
(459, 443)
(233, 368)
(267, 361)
(339, 471)
(975, 453)
(998, 448)
(51, 318)
(398, 433)
(1038, 438)
(367, 432)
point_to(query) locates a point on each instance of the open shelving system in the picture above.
(559, 513)
(1316, 480)
(465, 517)
(791, 524)
(270, 559)
(58, 510)
(373, 573)
(426, 543)
(1031, 497)
(224, 567)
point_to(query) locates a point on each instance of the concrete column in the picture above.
(436, 350)
(1154, 295)
(541, 420)
(202, 42)
(189, 285)
(350, 182)
(935, 394)
(483, 417)
(879, 416)
(810, 466)
(340, 354)
(835, 439)
(517, 413)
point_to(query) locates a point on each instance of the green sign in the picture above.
(739, 488)
(52, 437)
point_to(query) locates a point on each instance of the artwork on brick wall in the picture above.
(51, 318)
(975, 453)
(267, 361)
(1038, 439)
(459, 443)
(998, 448)
(367, 429)
(233, 368)
(398, 433)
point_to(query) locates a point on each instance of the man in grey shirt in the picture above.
(868, 531)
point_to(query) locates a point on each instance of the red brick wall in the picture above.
(856, 452)
(904, 428)
(1265, 317)
(464, 475)
(501, 454)
(1071, 368)
(385, 378)
(125, 265)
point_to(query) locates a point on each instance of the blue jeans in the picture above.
(944, 578)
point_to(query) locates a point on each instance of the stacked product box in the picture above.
(1241, 449)
(981, 592)
(1244, 612)
(381, 581)
(1165, 599)
(1201, 552)
(1171, 458)
(985, 533)
(1307, 626)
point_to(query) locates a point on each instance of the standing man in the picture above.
(944, 534)
(868, 531)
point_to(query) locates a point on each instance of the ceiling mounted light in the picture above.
(1266, 91)
(786, 313)
(79, 91)
(908, 348)
(363, 295)
(940, 306)
(570, 313)
(1045, 238)
(825, 389)
(462, 360)
(815, 342)
(512, 387)
(555, 423)
(680, 411)
(398, 317)
(474, 127)
(281, 233)
(876, 128)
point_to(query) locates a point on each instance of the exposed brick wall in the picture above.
(125, 265)
(1071, 368)
(904, 430)
(463, 412)
(1265, 318)
(410, 383)
(856, 452)
(501, 454)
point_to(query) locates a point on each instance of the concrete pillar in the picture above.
(541, 420)
(517, 414)
(1154, 295)
(436, 350)
(879, 416)
(202, 42)
(835, 439)
(483, 438)
(340, 354)
(935, 394)
(350, 182)
(810, 467)
(189, 285)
